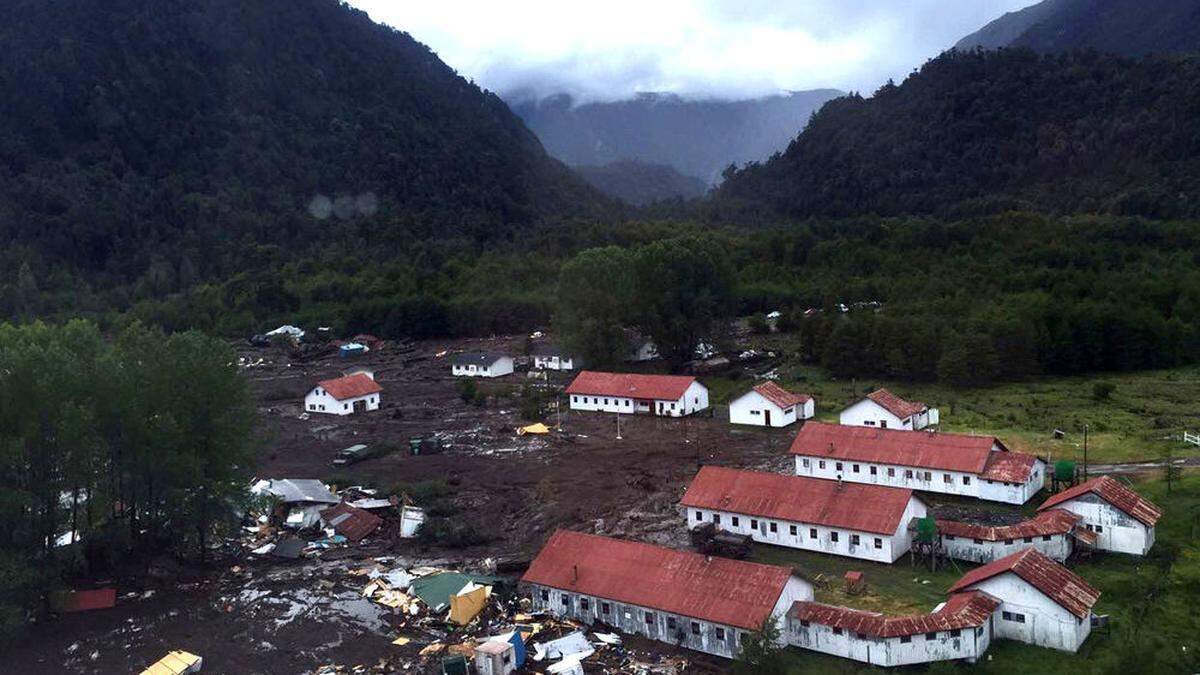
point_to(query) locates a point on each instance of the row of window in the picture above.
(891, 472)
(345, 406)
(905, 639)
(595, 400)
(648, 616)
(1027, 540)
(773, 528)
(1013, 616)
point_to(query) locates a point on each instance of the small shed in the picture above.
(855, 582)
(495, 658)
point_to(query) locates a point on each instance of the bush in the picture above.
(1102, 391)
(467, 390)
(451, 533)
(758, 324)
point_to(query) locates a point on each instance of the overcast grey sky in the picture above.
(725, 48)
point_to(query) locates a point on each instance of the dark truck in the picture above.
(352, 455)
(710, 541)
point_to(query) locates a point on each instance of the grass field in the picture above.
(1152, 601)
(1146, 412)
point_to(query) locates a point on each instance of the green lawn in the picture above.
(1153, 601)
(1145, 414)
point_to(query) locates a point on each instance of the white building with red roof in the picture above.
(1122, 520)
(869, 522)
(1041, 602)
(344, 396)
(699, 602)
(634, 394)
(1053, 532)
(770, 405)
(884, 410)
(959, 464)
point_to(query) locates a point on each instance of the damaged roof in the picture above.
(779, 396)
(631, 385)
(292, 490)
(1054, 581)
(1053, 521)
(896, 405)
(962, 610)
(476, 358)
(947, 452)
(351, 522)
(351, 386)
(721, 590)
(1008, 467)
(856, 506)
(1115, 493)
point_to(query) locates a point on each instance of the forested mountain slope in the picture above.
(639, 183)
(1127, 27)
(699, 137)
(988, 131)
(184, 134)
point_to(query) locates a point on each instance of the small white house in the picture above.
(344, 396)
(1122, 520)
(770, 405)
(706, 603)
(640, 348)
(549, 357)
(634, 394)
(859, 521)
(480, 364)
(1041, 602)
(884, 410)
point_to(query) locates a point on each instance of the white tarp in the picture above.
(287, 329)
(571, 645)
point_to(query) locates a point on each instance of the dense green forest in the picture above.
(640, 183)
(986, 132)
(176, 141)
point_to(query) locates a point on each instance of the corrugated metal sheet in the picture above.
(350, 386)
(896, 405)
(869, 508)
(948, 452)
(1054, 521)
(962, 610)
(631, 385)
(724, 591)
(351, 522)
(780, 396)
(1008, 467)
(1054, 581)
(1115, 493)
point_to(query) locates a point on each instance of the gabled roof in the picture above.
(475, 358)
(896, 405)
(1053, 521)
(962, 610)
(1115, 493)
(631, 385)
(351, 386)
(948, 452)
(1008, 467)
(721, 590)
(778, 395)
(855, 506)
(1054, 581)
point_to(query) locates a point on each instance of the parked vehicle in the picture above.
(352, 455)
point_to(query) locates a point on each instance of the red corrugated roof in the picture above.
(631, 385)
(1115, 493)
(1008, 467)
(896, 405)
(780, 396)
(855, 506)
(1056, 582)
(724, 591)
(83, 601)
(1054, 521)
(350, 386)
(951, 452)
(962, 610)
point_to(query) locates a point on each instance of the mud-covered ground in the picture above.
(291, 617)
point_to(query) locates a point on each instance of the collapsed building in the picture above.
(687, 599)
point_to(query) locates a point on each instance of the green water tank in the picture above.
(926, 529)
(1064, 469)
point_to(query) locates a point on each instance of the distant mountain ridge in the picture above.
(1126, 27)
(988, 131)
(698, 137)
(134, 131)
(640, 184)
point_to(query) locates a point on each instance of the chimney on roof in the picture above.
(708, 558)
(839, 483)
(574, 574)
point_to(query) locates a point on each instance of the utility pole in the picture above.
(1085, 443)
(558, 412)
(618, 426)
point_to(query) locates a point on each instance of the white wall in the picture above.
(970, 643)
(752, 408)
(1115, 530)
(553, 363)
(807, 409)
(319, 401)
(502, 366)
(1045, 622)
(1055, 546)
(693, 400)
(793, 534)
(867, 413)
(628, 618)
(945, 482)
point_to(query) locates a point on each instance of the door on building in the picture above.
(767, 416)
(360, 405)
